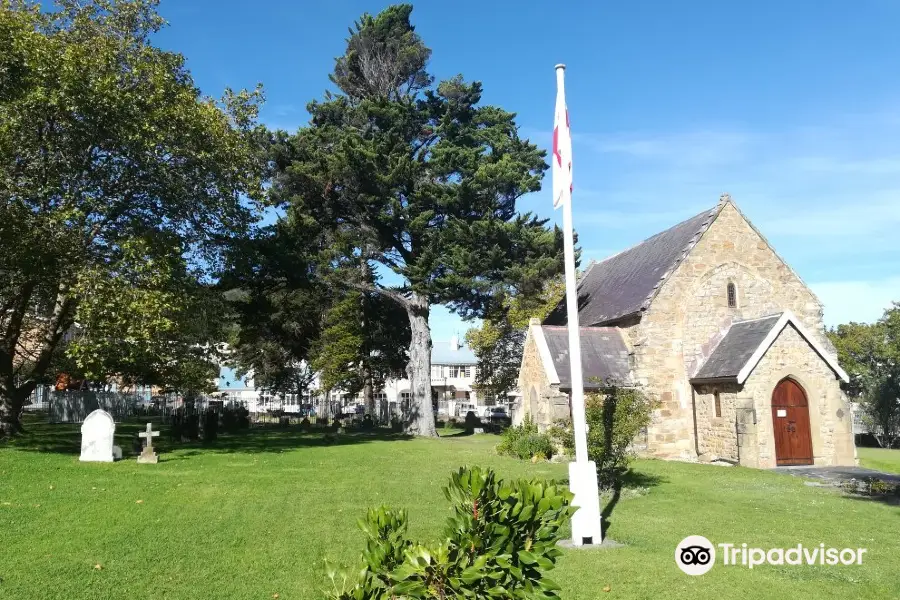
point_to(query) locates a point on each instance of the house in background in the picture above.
(452, 379)
(710, 322)
(238, 390)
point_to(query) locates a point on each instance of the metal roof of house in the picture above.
(736, 348)
(446, 353)
(624, 283)
(604, 356)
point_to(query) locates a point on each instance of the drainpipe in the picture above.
(696, 431)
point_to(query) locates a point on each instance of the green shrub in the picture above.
(535, 445)
(525, 441)
(498, 543)
(562, 435)
(615, 416)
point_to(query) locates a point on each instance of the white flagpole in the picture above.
(586, 526)
(577, 396)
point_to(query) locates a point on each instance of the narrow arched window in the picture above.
(732, 296)
(717, 401)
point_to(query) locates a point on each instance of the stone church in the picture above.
(713, 325)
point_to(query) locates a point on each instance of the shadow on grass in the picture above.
(889, 499)
(629, 480)
(454, 433)
(65, 438)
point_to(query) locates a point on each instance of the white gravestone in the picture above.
(97, 437)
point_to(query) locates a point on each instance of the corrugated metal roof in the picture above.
(444, 353)
(604, 356)
(736, 348)
(624, 283)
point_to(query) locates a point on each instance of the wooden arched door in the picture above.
(790, 420)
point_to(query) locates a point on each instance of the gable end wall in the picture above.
(690, 314)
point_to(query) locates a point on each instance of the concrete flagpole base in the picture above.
(586, 525)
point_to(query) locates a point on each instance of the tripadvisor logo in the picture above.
(696, 555)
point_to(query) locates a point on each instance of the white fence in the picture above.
(75, 406)
(859, 424)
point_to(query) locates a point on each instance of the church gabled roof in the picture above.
(604, 356)
(746, 342)
(625, 283)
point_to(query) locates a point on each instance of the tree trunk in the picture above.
(13, 393)
(420, 420)
(11, 413)
(368, 393)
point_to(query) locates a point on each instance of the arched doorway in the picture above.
(790, 423)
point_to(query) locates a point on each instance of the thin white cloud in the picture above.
(858, 217)
(704, 148)
(826, 195)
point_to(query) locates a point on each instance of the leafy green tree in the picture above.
(499, 342)
(111, 164)
(419, 181)
(292, 323)
(362, 344)
(870, 353)
(276, 306)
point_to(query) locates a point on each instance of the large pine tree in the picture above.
(421, 181)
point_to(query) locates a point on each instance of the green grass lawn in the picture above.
(256, 515)
(879, 459)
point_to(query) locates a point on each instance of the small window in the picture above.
(732, 296)
(718, 402)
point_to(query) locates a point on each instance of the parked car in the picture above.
(495, 413)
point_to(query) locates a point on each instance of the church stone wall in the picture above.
(673, 336)
(540, 399)
(717, 435)
(829, 412)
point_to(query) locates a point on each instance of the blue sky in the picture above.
(791, 107)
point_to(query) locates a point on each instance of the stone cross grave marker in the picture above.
(97, 437)
(148, 455)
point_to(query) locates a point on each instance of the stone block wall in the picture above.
(829, 412)
(541, 399)
(717, 435)
(682, 323)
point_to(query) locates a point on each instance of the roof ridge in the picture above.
(657, 234)
(711, 215)
(773, 315)
(625, 283)
(583, 275)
